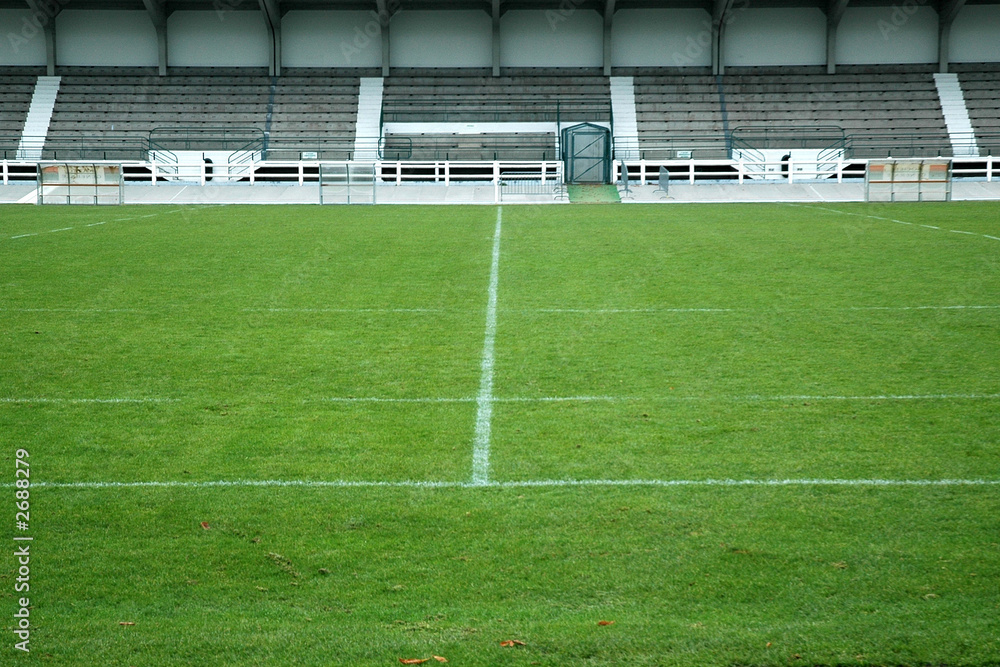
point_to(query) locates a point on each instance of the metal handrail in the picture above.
(445, 109)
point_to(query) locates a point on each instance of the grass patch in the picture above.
(231, 356)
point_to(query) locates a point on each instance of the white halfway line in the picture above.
(484, 402)
(347, 484)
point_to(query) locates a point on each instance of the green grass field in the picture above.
(744, 435)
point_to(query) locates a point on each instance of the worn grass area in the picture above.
(747, 435)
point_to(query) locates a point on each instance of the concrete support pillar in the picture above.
(609, 17)
(834, 12)
(495, 13)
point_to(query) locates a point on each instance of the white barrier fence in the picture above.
(640, 172)
(645, 172)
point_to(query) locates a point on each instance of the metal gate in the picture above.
(587, 151)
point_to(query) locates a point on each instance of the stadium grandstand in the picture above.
(712, 89)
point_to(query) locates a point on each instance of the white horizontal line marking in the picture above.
(550, 399)
(378, 399)
(94, 224)
(632, 310)
(89, 400)
(751, 310)
(471, 399)
(63, 229)
(886, 397)
(22, 236)
(522, 484)
(343, 310)
(902, 222)
(72, 310)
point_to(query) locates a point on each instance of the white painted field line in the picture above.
(542, 483)
(73, 310)
(545, 399)
(471, 399)
(343, 310)
(88, 400)
(600, 311)
(484, 401)
(884, 397)
(901, 222)
(377, 399)
(632, 310)
(94, 224)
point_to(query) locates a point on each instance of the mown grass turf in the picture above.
(710, 343)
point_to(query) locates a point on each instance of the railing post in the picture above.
(691, 171)
(447, 174)
(496, 182)
(739, 168)
(5, 172)
(152, 171)
(989, 169)
(791, 171)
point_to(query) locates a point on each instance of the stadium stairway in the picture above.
(626, 128)
(368, 127)
(36, 125)
(956, 115)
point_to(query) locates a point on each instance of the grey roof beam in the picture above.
(719, 10)
(834, 12)
(157, 11)
(272, 17)
(609, 17)
(947, 12)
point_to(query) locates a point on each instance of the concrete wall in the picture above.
(661, 38)
(21, 41)
(975, 34)
(217, 39)
(330, 39)
(553, 38)
(879, 35)
(122, 38)
(441, 39)
(899, 34)
(793, 36)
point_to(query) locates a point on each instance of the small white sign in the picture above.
(309, 155)
(683, 155)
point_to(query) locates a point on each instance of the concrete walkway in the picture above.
(784, 192)
(484, 194)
